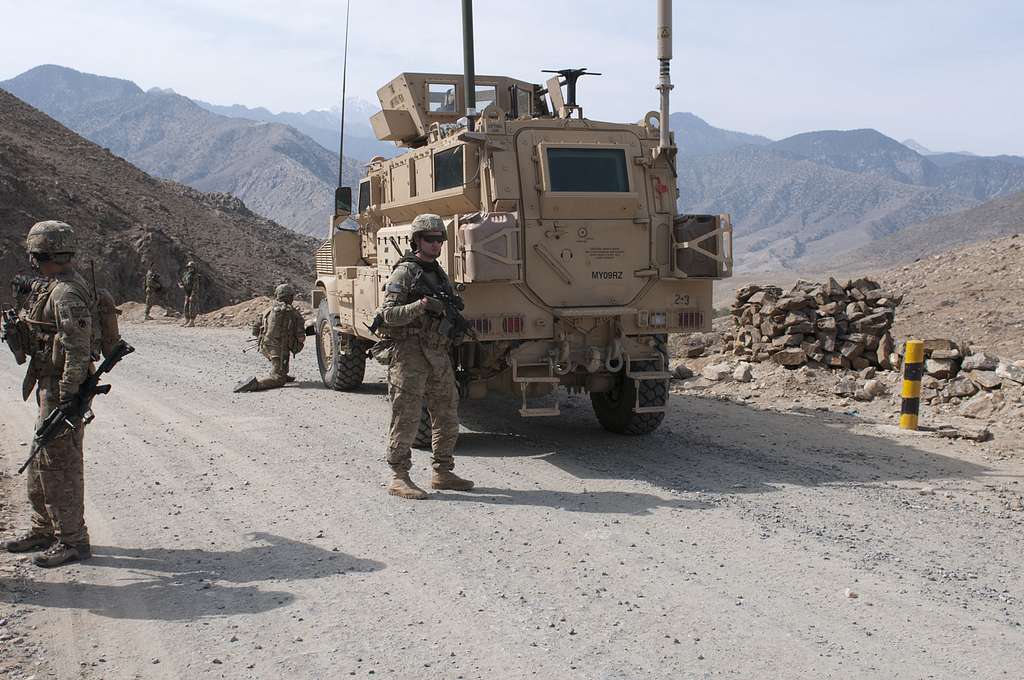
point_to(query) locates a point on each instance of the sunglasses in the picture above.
(433, 239)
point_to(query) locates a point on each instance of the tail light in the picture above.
(512, 324)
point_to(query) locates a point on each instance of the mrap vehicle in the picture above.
(562, 238)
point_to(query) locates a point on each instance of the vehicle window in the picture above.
(364, 196)
(448, 169)
(523, 99)
(485, 95)
(441, 97)
(592, 170)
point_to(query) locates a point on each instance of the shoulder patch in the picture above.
(394, 287)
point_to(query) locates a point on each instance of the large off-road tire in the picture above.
(424, 433)
(614, 409)
(338, 371)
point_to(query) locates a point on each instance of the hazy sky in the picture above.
(946, 73)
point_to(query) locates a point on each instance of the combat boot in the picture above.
(403, 487)
(61, 553)
(249, 385)
(28, 543)
(446, 479)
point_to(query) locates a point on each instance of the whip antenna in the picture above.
(344, 79)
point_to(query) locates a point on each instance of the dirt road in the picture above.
(249, 536)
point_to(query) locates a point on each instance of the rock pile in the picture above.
(976, 381)
(827, 324)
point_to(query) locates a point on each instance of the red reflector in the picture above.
(512, 324)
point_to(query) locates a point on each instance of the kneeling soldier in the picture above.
(281, 332)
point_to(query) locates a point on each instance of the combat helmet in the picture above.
(285, 292)
(52, 239)
(425, 223)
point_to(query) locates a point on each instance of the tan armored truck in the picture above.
(563, 240)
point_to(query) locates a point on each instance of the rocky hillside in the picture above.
(971, 293)
(804, 201)
(124, 216)
(278, 171)
(322, 126)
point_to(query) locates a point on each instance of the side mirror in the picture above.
(343, 201)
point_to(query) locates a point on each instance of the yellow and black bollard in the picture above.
(913, 371)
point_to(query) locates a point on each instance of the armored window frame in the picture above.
(364, 196)
(524, 102)
(442, 97)
(449, 168)
(554, 179)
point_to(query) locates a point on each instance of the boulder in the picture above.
(946, 354)
(987, 380)
(938, 343)
(868, 373)
(694, 351)
(716, 372)
(978, 434)
(793, 356)
(885, 348)
(1010, 371)
(875, 388)
(682, 372)
(743, 372)
(984, 405)
(940, 368)
(980, 361)
(959, 387)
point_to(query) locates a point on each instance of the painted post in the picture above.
(913, 371)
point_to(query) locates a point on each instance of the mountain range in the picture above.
(126, 220)
(278, 171)
(796, 203)
(805, 200)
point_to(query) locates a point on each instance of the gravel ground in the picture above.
(249, 536)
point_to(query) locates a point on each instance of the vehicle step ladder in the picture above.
(524, 382)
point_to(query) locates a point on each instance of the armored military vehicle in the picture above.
(563, 240)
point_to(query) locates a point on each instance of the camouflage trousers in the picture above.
(191, 306)
(56, 478)
(152, 298)
(278, 373)
(417, 371)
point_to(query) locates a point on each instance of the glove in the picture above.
(434, 305)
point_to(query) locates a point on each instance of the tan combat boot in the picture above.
(446, 479)
(61, 553)
(29, 542)
(403, 487)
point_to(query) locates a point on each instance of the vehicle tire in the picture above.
(424, 433)
(614, 409)
(338, 371)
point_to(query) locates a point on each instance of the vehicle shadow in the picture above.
(713, 446)
(184, 585)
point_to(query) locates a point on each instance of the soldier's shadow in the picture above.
(614, 502)
(189, 584)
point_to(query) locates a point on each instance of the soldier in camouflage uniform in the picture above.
(190, 281)
(281, 332)
(154, 291)
(58, 334)
(421, 363)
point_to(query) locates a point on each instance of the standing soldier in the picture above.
(190, 281)
(57, 333)
(281, 333)
(154, 291)
(421, 364)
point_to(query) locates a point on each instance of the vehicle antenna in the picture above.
(344, 78)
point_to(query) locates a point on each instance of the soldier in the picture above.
(154, 291)
(190, 281)
(57, 333)
(421, 364)
(281, 333)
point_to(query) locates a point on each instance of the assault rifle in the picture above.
(78, 411)
(453, 324)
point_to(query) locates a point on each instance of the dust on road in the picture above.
(249, 536)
